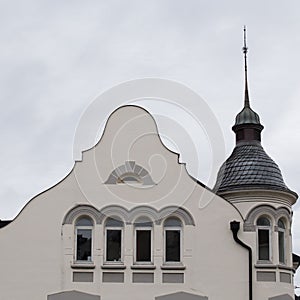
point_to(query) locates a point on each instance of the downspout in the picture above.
(235, 227)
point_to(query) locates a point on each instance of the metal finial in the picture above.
(245, 48)
(245, 51)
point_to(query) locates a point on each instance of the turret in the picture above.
(249, 167)
(251, 181)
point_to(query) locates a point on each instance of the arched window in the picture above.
(173, 237)
(84, 233)
(129, 178)
(281, 241)
(143, 240)
(114, 236)
(130, 173)
(263, 236)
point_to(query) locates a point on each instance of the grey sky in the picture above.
(57, 56)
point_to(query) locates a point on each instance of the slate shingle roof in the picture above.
(249, 167)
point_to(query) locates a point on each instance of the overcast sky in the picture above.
(57, 56)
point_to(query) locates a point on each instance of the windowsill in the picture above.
(264, 262)
(83, 265)
(265, 266)
(113, 266)
(271, 266)
(143, 267)
(284, 267)
(172, 266)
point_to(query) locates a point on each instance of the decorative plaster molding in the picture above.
(130, 168)
(81, 210)
(276, 214)
(129, 216)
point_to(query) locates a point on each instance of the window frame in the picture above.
(120, 228)
(143, 228)
(266, 228)
(85, 227)
(173, 228)
(283, 231)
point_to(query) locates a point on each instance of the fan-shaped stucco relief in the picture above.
(131, 143)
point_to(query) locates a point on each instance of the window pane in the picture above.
(281, 224)
(263, 221)
(263, 244)
(172, 245)
(113, 245)
(111, 222)
(84, 221)
(129, 179)
(281, 246)
(143, 222)
(84, 244)
(172, 222)
(143, 245)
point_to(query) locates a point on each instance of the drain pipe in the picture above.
(235, 227)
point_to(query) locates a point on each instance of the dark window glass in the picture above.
(113, 245)
(143, 245)
(172, 222)
(130, 178)
(263, 221)
(114, 222)
(84, 244)
(281, 247)
(143, 222)
(263, 244)
(84, 221)
(281, 224)
(172, 245)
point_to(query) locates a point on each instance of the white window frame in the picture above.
(92, 242)
(269, 228)
(282, 230)
(144, 228)
(122, 243)
(173, 228)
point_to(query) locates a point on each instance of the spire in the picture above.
(245, 51)
(247, 124)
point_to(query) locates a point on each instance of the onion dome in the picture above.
(247, 116)
(249, 166)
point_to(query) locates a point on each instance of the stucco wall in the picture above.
(38, 250)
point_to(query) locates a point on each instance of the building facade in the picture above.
(112, 229)
(129, 222)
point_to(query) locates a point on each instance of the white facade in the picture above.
(131, 176)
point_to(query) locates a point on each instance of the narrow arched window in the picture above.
(114, 235)
(173, 237)
(263, 233)
(143, 240)
(281, 241)
(84, 232)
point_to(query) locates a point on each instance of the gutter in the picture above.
(235, 227)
